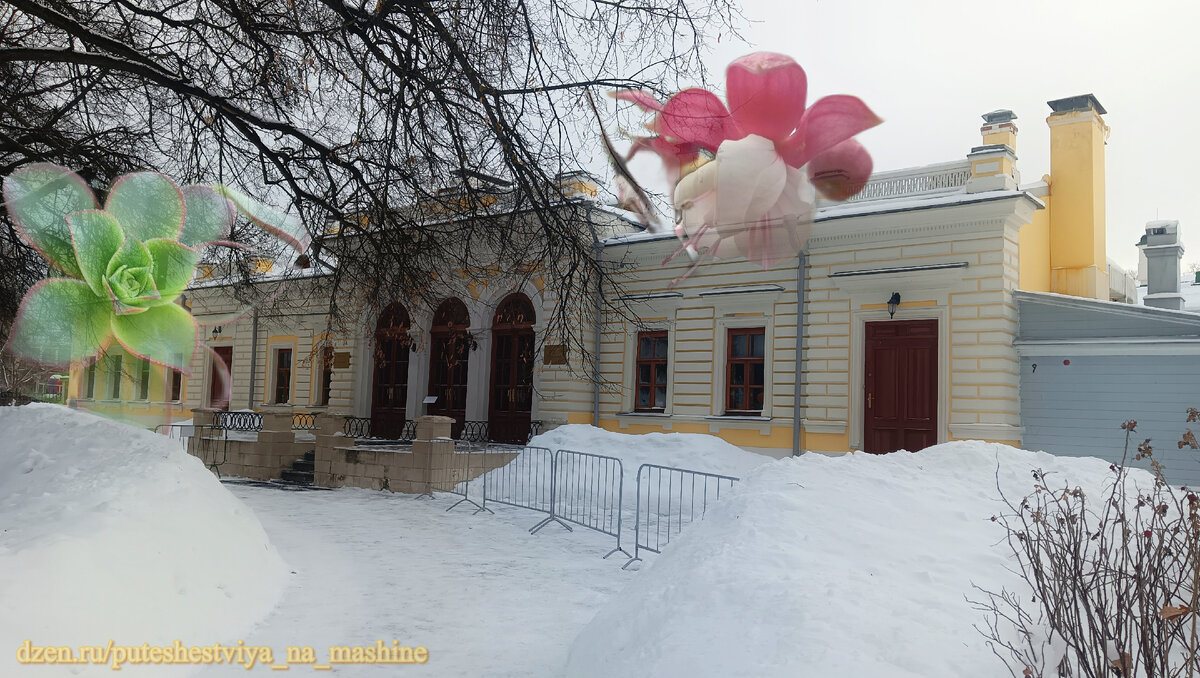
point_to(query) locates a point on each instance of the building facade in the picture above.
(894, 330)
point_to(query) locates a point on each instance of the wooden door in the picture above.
(220, 389)
(900, 386)
(510, 401)
(449, 356)
(389, 386)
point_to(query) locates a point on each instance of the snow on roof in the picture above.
(855, 209)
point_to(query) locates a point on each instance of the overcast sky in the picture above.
(930, 68)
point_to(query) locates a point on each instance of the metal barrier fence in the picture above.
(455, 478)
(678, 499)
(208, 442)
(525, 482)
(180, 432)
(240, 421)
(588, 491)
(304, 422)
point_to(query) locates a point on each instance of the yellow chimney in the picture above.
(1078, 261)
(994, 164)
(999, 128)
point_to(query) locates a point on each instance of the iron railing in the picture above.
(304, 422)
(240, 421)
(473, 433)
(666, 492)
(360, 427)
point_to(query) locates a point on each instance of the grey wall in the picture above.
(1077, 409)
(1043, 321)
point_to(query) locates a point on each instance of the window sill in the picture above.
(738, 417)
(643, 414)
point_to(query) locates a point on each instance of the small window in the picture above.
(115, 377)
(177, 380)
(176, 385)
(651, 391)
(745, 377)
(283, 376)
(326, 372)
(91, 381)
(144, 380)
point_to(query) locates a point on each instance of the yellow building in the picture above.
(901, 312)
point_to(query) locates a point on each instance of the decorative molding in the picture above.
(741, 289)
(900, 269)
(940, 178)
(650, 295)
(870, 231)
(821, 426)
(986, 431)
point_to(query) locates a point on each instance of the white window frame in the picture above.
(743, 311)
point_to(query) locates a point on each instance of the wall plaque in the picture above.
(555, 354)
(341, 360)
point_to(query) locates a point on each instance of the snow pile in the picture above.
(113, 532)
(858, 565)
(693, 451)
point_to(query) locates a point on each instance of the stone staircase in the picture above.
(301, 472)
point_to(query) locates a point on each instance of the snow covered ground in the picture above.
(110, 531)
(857, 565)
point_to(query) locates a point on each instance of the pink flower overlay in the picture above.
(772, 154)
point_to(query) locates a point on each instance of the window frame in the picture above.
(285, 373)
(90, 382)
(143, 383)
(748, 361)
(114, 384)
(652, 362)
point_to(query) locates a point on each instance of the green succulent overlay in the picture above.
(117, 272)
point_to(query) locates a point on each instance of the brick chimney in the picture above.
(1078, 258)
(1163, 253)
(994, 164)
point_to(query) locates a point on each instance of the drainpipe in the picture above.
(253, 359)
(596, 353)
(796, 451)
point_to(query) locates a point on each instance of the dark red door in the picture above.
(511, 399)
(219, 390)
(900, 398)
(449, 356)
(389, 387)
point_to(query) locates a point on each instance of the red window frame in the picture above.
(651, 363)
(747, 393)
(283, 376)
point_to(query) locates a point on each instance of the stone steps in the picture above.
(301, 472)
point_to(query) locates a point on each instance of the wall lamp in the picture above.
(893, 304)
(216, 332)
